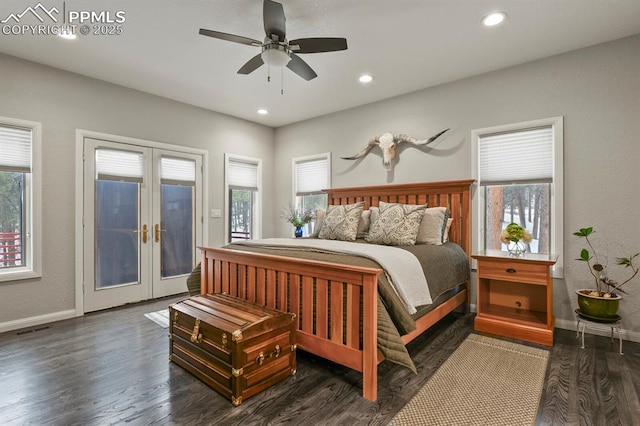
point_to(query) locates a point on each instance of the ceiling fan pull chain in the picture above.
(282, 81)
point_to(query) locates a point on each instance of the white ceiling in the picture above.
(406, 45)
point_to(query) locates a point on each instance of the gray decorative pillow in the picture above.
(193, 281)
(317, 225)
(396, 224)
(363, 224)
(433, 226)
(341, 222)
(445, 237)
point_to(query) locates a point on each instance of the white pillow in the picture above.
(433, 225)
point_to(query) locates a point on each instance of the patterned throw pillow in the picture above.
(341, 222)
(396, 224)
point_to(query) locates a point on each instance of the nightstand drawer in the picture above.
(504, 269)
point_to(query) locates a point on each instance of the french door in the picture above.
(142, 222)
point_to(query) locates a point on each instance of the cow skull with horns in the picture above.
(388, 143)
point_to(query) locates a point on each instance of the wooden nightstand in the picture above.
(515, 296)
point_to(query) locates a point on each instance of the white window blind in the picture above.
(513, 157)
(242, 174)
(177, 171)
(312, 176)
(15, 149)
(112, 164)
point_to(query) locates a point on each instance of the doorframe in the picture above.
(79, 196)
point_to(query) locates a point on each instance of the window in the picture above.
(310, 176)
(519, 172)
(243, 177)
(19, 199)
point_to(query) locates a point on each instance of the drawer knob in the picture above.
(511, 270)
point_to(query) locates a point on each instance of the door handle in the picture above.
(144, 233)
(157, 231)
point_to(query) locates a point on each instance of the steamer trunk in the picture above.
(235, 347)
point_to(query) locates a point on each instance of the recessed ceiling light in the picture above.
(494, 18)
(68, 35)
(365, 78)
(263, 111)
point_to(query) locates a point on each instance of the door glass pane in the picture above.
(177, 210)
(11, 219)
(116, 240)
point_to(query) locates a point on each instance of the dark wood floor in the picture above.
(112, 367)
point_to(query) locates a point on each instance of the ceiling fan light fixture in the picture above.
(494, 18)
(275, 55)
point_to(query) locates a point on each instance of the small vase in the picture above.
(516, 248)
(298, 232)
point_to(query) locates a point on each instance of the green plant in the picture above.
(514, 232)
(599, 271)
(296, 217)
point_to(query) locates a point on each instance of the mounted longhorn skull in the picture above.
(388, 143)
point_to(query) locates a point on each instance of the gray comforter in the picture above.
(445, 267)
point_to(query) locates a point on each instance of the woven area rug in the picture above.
(160, 317)
(484, 382)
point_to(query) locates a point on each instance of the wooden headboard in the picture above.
(455, 194)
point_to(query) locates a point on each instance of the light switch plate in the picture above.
(216, 213)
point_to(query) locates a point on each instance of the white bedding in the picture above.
(402, 268)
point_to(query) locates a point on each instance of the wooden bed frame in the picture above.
(329, 299)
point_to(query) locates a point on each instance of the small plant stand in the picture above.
(582, 323)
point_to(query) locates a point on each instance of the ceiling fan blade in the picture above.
(318, 44)
(301, 68)
(251, 65)
(274, 20)
(230, 37)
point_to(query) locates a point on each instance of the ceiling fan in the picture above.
(276, 49)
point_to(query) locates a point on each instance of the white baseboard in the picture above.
(38, 320)
(601, 330)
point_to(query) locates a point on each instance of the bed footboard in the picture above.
(328, 299)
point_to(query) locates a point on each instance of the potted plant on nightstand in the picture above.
(602, 302)
(298, 218)
(515, 237)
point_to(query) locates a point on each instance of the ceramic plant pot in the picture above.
(598, 306)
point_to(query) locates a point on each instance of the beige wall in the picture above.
(596, 90)
(64, 102)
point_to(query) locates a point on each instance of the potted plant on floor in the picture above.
(602, 302)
